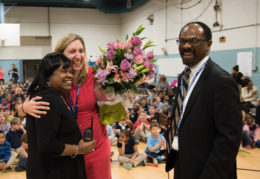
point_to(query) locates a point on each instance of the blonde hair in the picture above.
(63, 43)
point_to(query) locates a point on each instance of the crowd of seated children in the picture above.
(129, 155)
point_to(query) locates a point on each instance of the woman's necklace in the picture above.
(65, 102)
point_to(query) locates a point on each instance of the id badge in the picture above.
(175, 144)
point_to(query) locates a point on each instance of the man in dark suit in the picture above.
(204, 136)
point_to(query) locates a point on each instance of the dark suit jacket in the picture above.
(210, 131)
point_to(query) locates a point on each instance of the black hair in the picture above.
(236, 68)
(2, 132)
(207, 32)
(49, 64)
(126, 132)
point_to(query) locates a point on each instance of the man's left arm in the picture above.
(227, 118)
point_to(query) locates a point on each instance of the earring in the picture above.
(48, 84)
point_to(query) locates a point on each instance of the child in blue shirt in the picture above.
(128, 151)
(5, 151)
(156, 144)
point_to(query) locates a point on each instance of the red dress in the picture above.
(97, 163)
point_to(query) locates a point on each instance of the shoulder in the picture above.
(7, 144)
(47, 95)
(219, 76)
(162, 137)
(132, 140)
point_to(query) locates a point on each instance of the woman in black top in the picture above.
(55, 145)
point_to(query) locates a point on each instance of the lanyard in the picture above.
(74, 110)
(192, 82)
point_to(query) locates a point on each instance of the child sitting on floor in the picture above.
(4, 125)
(250, 133)
(13, 136)
(22, 163)
(128, 151)
(156, 144)
(141, 129)
(5, 151)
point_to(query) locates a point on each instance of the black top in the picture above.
(238, 77)
(14, 138)
(47, 137)
(129, 146)
(14, 74)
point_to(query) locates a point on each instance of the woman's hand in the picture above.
(86, 147)
(34, 107)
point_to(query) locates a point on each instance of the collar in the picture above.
(196, 67)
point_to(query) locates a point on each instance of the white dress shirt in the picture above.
(194, 70)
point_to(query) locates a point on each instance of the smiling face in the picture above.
(61, 80)
(193, 46)
(76, 54)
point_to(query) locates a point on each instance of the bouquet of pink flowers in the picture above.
(119, 69)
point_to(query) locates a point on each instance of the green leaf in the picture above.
(154, 60)
(138, 68)
(145, 70)
(101, 49)
(126, 38)
(139, 30)
(148, 44)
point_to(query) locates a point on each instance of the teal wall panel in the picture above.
(6, 66)
(227, 59)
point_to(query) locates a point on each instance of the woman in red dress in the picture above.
(82, 101)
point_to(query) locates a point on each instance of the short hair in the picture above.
(162, 77)
(24, 138)
(152, 106)
(207, 32)
(136, 108)
(141, 112)
(236, 68)
(48, 65)
(15, 120)
(154, 124)
(2, 132)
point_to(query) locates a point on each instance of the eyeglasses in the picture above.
(193, 41)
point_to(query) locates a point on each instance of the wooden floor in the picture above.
(248, 160)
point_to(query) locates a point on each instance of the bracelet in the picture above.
(22, 109)
(76, 153)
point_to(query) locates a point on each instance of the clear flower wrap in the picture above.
(118, 70)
